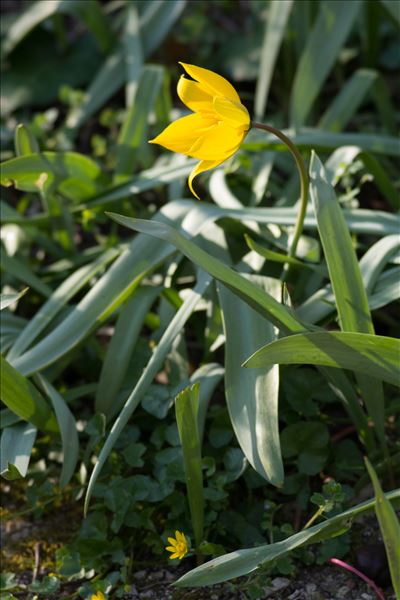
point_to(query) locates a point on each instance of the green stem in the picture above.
(304, 182)
(315, 516)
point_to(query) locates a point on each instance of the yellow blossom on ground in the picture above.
(179, 545)
(217, 126)
(98, 596)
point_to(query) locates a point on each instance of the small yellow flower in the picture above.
(98, 596)
(179, 546)
(217, 126)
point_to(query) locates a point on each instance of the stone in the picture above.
(140, 574)
(279, 583)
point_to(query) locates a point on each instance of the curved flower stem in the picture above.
(304, 182)
(372, 584)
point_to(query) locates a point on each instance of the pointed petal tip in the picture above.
(190, 184)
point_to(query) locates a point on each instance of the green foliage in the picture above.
(389, 526)
(152, 361)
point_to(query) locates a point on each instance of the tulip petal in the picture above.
(192, 94)
(212, 83)
(236, 114)
(204, 165)
(217, 143)
(183, 133)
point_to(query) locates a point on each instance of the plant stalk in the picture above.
(304, 182)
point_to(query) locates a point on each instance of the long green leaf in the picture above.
(151, 370)
(334, 23)
(345, 275)
(386, 290)
(281, 258)
(21, 396)
(89, 11)
(107, 81)
(390, 528)
(242, 562)
(155, 22)
(381, 290)
(109, 292)
(358, 220)
(7, 418)
(263, 303)
(373, 355)
(134, 129)
(344, 271)
(376, 258)
(133, 54)
(24, 141)
(67, 425)
(313, 138)
(119, 350)
(8, 299)
(16, 268)
(393, 9)
(208, 376)
(186, 410)
(346, 102)
(252, 395)
(345, 156)
(16, 448)
(274, 31)
(11, 327)
(258, 299)
(59, 298)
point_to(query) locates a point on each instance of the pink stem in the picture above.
(344, 565)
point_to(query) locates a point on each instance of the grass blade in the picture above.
(21, 396)
(8, 299)
(151, 370)
(59, 298)
(261, 301)
(242, 562)
(373, 355)
(134, 129)
(347, 101)
(252, 395)
(310, 138)
(67, 425)
(334, 23)
(186, 410)
(16, 448)
(392, 9)
(119, 351)
(274, 31)
(390, 528)
(16, 268)
(347, 284)
(133, 53)
(109, 292)
(24, 141)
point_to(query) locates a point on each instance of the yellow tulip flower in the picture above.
(217, 126)
(179, 546)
